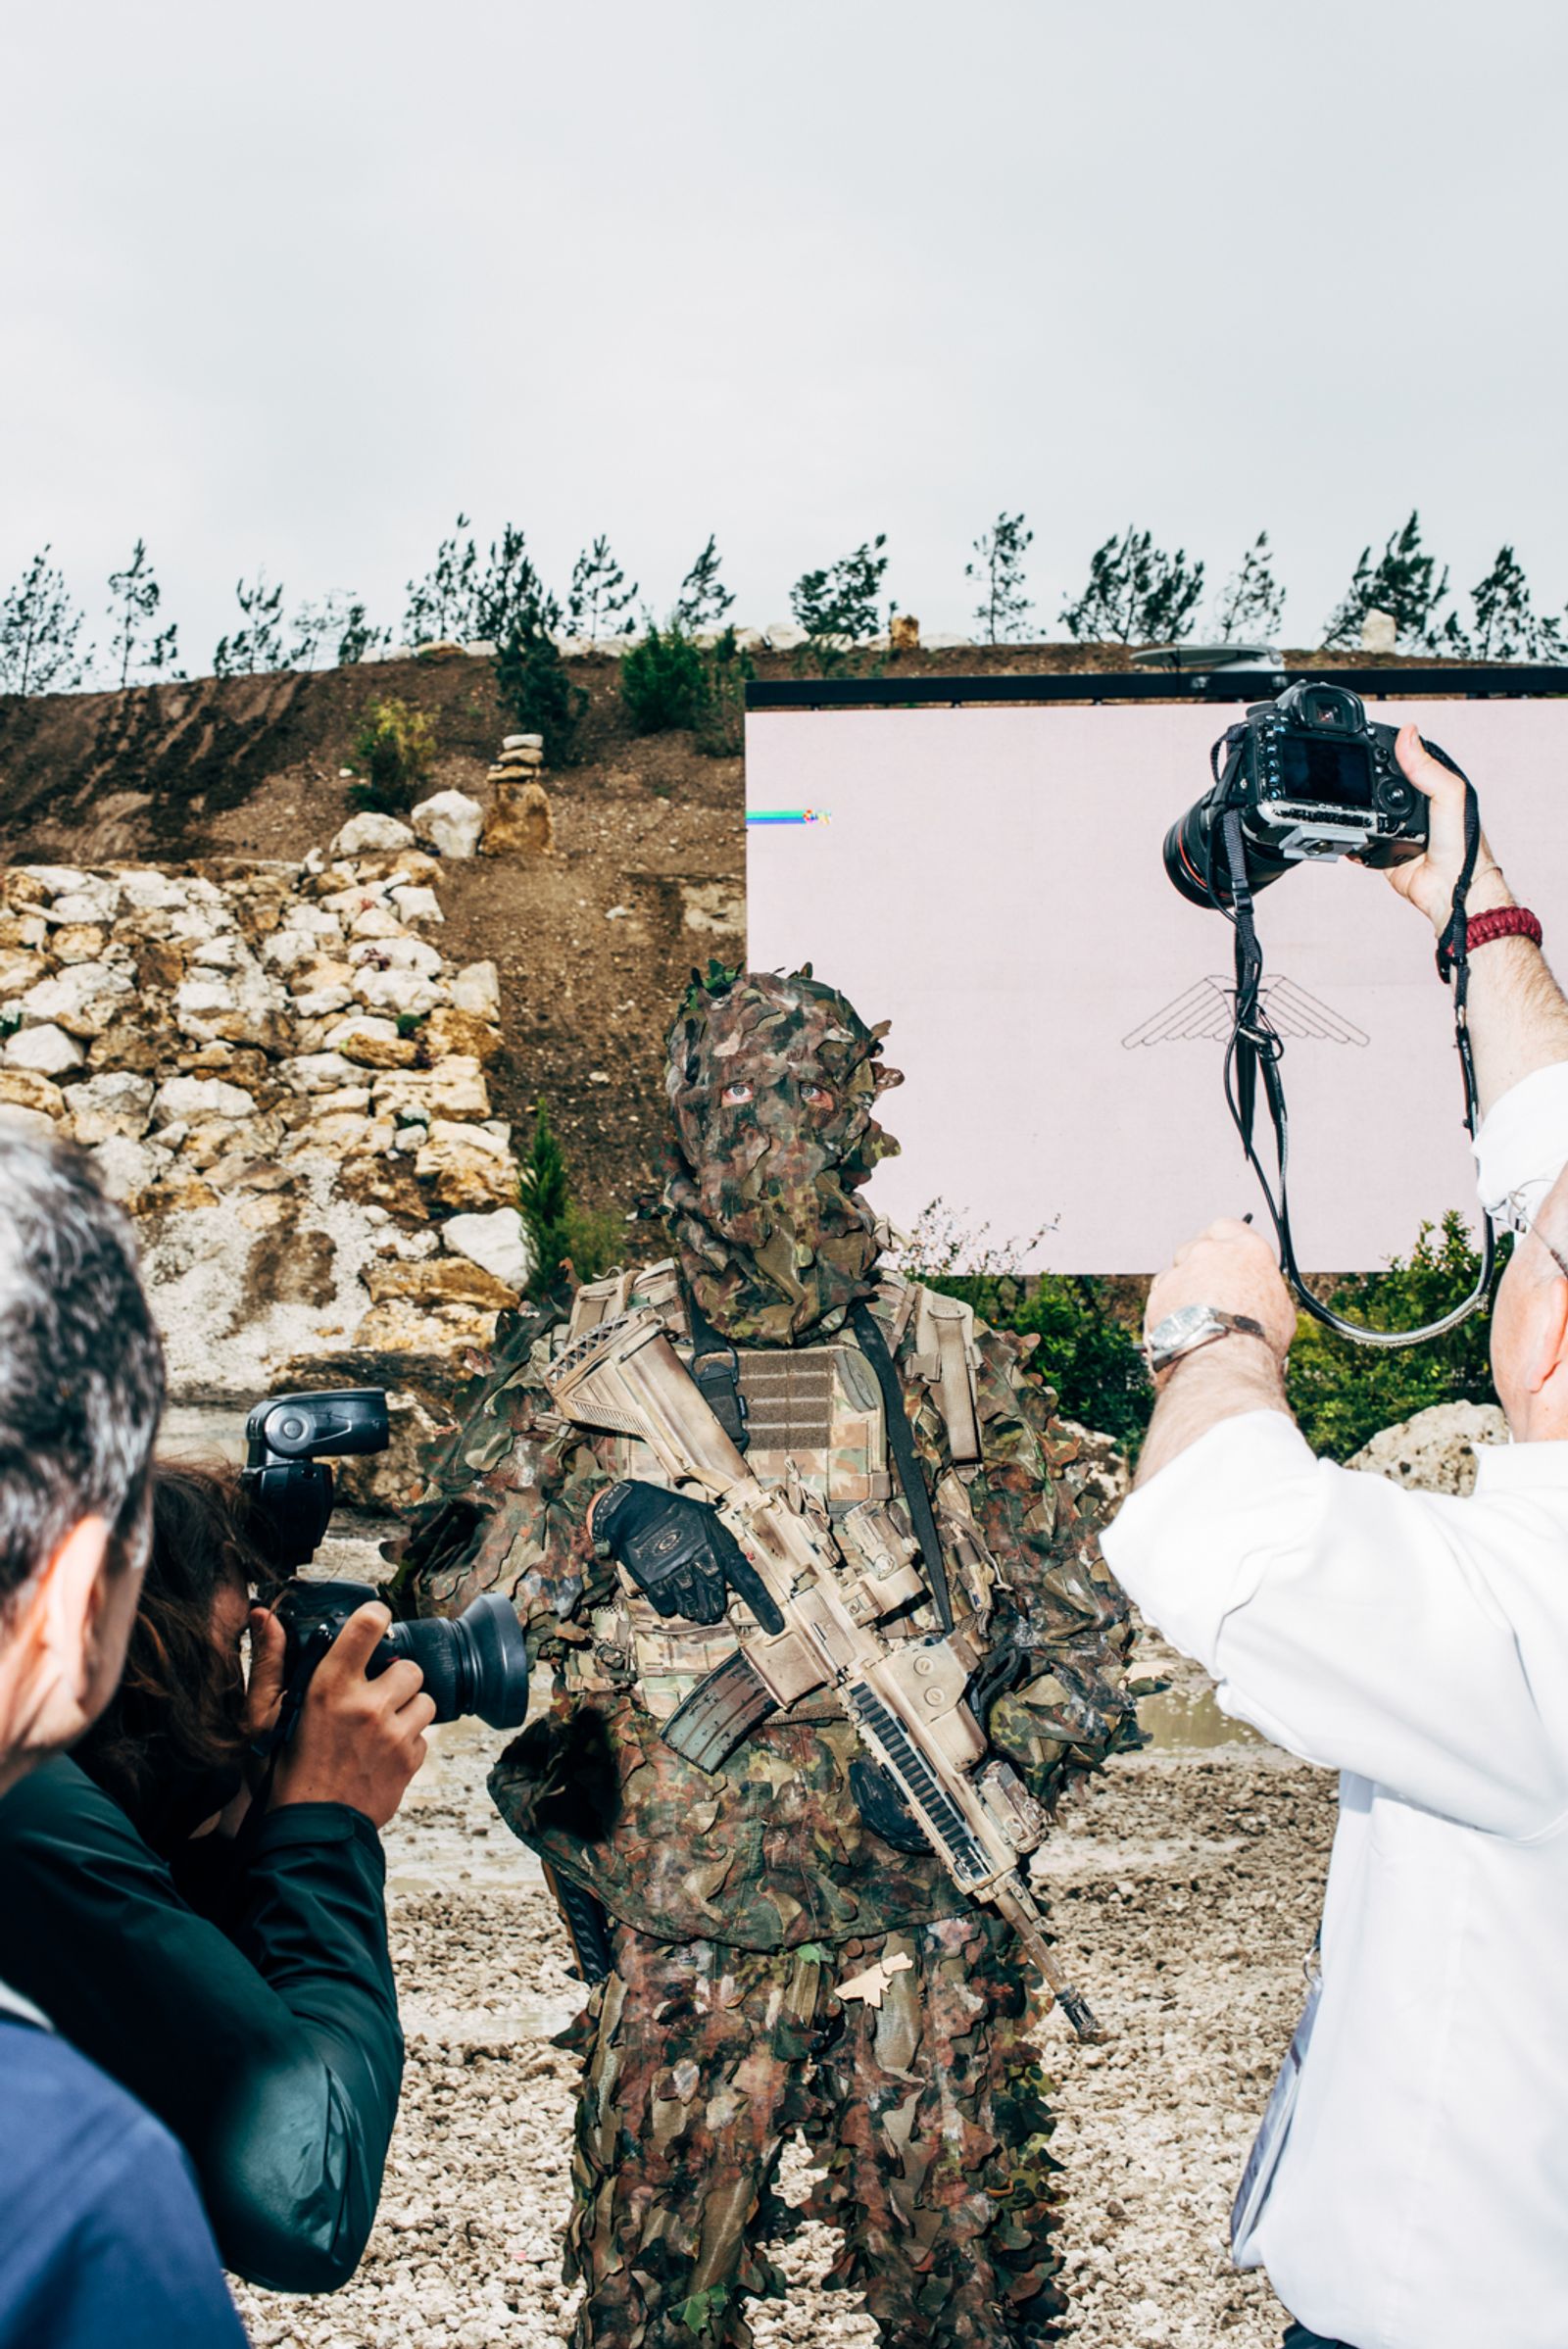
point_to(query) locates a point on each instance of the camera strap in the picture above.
(1256, 1047)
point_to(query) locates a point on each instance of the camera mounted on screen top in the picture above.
(475, 1662)
(1311, 778)
(1306, 779)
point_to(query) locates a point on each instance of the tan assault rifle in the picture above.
(906, 1698)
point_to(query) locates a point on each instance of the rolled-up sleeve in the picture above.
(1361, 1625)
(1522, 1146)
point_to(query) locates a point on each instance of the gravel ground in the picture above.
(1185, 1889)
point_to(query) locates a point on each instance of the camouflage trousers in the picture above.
(927, 2110)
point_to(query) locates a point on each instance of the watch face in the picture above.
(1176, 1328)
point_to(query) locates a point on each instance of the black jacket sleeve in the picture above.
(271, 2049)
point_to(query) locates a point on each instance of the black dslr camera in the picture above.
(1311, 778)
(475, 1663)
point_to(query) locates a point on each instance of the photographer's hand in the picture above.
(1231, 1268)
(358, 1741)
(1518, 1018)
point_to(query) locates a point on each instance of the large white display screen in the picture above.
(991, 880)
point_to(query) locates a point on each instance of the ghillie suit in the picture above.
(786, 1954)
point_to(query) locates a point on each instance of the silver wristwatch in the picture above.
(1190, 1327)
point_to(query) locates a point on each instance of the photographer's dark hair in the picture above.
(168, 1749)
(82, 1370)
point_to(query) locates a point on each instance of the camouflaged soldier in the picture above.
(787, 1951)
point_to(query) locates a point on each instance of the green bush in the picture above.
(663, 681)
(534, 689)
(396, 748)
(1343, 1393)
(1085, 1353)
(560, 1229)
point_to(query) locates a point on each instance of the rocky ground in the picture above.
(1185, 1890)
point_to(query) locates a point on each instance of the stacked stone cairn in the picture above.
(518, 821)
(283, 1077)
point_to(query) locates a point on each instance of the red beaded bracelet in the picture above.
(1503, 921)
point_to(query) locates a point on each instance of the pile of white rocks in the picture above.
(285, 1079)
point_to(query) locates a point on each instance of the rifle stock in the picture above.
(906, 1698)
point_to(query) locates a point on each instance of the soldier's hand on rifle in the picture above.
(679, 1553)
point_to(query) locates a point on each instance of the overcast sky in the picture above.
(288, 284)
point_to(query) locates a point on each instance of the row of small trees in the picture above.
(1136, 593)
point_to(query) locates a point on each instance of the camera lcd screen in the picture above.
(1330, 773)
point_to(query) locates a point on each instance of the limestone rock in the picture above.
(400, 991)
(37, 884)
(362, 832)
(519, 822)
(340, 1134)
(116, 1102)
(451, 822)
(47, 1050)
(79, 942)
(375, 921)
(129, 1169)
(449, 1032)
(401, 1326)
(498, 1240)
(414, 903)
(23, 930)
(452, 1089)
(524, 741)
(322, 1072)
(82, 999)
(374, 1180)
(1436, 1450)
(183, 1099)
(439, 1281)
(30, 1121)
(25, 1089)
(373, 1043)
(398, 952)
(465, 1167)
(96, 901)
(478, 989)
(151, 891)
(18, 972)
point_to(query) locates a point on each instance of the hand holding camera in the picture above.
(359, 1740)
(1428, 881)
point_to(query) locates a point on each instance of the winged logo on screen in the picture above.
(1207, 1014)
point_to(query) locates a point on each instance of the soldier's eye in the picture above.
(734, 1094)
(816, 1097)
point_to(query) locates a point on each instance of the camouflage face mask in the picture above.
(772, 1085)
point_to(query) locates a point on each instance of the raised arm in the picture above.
(1518, 1017)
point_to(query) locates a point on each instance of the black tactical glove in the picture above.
(680, 1554)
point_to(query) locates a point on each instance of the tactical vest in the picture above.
(815, 1419)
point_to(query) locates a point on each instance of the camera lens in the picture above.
(1187, 846)
(477, 1662)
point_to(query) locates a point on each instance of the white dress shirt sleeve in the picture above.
(1360, 1626)
(1522, 1146)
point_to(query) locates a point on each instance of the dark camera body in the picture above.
(477, 1662)
(1312, 778)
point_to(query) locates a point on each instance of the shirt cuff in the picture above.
(1522, 1146)
(1194, 1541)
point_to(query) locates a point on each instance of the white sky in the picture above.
(287, 285)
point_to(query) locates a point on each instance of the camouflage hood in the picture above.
(773, 1084)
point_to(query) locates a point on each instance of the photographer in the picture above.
(104, 2238)
(265, 2031)
(1419, 1645)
